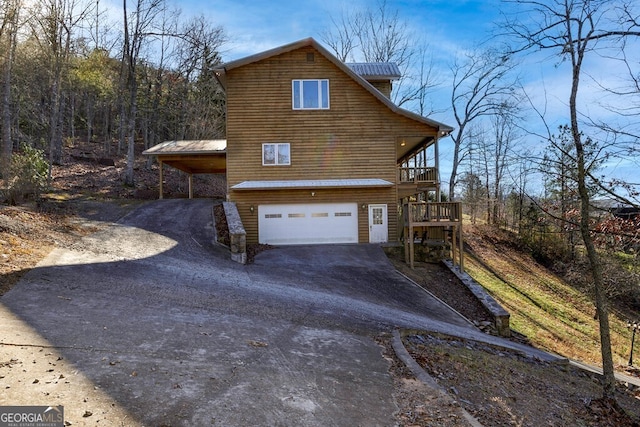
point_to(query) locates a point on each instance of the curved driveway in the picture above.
(154, 313)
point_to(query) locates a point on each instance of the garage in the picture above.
(302, 224)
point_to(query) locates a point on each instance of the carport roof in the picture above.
(202, 146)
(192, 156)
(312, 183)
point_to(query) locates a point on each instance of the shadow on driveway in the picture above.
(154, 314)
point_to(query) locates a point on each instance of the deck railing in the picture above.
(417, 174)
(419, 218)
(421, 212)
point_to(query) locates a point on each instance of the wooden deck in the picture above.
(420, 218)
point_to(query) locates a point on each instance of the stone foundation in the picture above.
(237, 233)
(500, 315)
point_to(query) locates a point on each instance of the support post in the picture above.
(161, 177)
(411, 244)
(436, 156)
(453, 244)
(406, 244)
(191, 186)
(461, 246)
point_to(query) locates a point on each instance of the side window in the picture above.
(310, 94)
(276, 154)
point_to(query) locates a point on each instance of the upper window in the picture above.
(310, 94)
(276, 154)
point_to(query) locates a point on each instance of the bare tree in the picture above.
(520, 176)
(477, 157)
(201, 100)
(9, 19)
(505, 135)
(572, 29)
(473, 194)
(481, 88)
(153, 79)
(341, 37)
(378, 34)
(138, 27)
(53, 23)
(487, 153)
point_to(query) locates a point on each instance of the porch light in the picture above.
(252, 209)
(363, 207)
(403, 143)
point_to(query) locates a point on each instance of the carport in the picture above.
(192, 157)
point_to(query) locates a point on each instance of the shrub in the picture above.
(27, 174)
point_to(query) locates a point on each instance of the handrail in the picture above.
(419, 212)
(417, 174)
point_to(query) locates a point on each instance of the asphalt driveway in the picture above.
(154, 314)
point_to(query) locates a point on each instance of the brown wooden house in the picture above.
(316, 153)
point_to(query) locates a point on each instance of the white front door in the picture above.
(378, 229)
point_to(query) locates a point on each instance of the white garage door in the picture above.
(308, 224)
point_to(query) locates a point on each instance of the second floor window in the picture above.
(276, 154)
(310, 94)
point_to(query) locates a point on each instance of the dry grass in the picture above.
(552, 314)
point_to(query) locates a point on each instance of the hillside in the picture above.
(550, 313)
(500, 387)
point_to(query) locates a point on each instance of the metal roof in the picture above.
(312, 183)
(375, 70)
(202, 146)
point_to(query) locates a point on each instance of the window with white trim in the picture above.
(310, 94)
(276, 154)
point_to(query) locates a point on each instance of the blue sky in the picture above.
(257, 25)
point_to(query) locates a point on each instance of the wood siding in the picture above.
(355, 138)
(245, 199)
(383, 87)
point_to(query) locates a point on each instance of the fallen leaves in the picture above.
(489, 381)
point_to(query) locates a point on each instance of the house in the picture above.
(318, 153)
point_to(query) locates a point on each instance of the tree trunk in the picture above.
(90, 104)
(123, 127)
(55, 131)
(72, 113)
(131, 130)
(107, 130)
(7, 48)
(454, 165)
(7, 143)
(608, 378)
